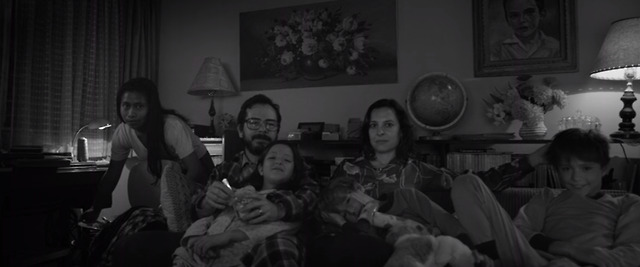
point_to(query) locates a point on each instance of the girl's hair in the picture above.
(299, 168)
(335, 193)
(586, 145)
(404, 149)
(154, 121)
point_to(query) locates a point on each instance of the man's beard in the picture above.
(257, 149)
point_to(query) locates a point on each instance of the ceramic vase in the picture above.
(536, 130)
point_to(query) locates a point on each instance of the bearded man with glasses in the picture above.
(258, 125)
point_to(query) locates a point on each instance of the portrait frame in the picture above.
(490, 30)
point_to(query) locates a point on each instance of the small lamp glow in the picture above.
(619, 59)
(97, 124)
(212, 80)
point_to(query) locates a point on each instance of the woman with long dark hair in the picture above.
(154, 134)
(171, 150)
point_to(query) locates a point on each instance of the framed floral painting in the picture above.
(322, 44)
(513, 37)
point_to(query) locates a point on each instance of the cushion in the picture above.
(175, 196)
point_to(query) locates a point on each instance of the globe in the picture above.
(437, 101)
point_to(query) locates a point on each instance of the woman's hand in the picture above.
(218, 196)
(261, 210)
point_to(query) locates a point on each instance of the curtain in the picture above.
(70, 58)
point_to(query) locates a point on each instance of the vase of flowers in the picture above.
(315, 44)
(527, 101)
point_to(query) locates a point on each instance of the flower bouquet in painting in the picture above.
(528, 100)
(315, 44)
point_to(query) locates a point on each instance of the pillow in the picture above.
(175, 196)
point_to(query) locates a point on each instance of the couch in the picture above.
(511, 199)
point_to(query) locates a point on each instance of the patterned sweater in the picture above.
(610, 224)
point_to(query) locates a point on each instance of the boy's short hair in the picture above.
(335, 193)
(585, 145)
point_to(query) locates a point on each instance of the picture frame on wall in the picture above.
(515, 37)
(333, 43)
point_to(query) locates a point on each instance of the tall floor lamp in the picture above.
(212, 80)
(619, 59)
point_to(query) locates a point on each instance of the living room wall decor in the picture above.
(524, 37)
(322, 44)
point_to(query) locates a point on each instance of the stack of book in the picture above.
(476, 160)
(34, 156)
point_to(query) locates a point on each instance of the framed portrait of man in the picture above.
(513, 37)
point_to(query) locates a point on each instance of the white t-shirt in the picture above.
(178, 136)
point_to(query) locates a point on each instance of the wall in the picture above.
(193, 29)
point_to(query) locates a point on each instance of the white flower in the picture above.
(286, 58)
(351, 70)
(317, 26)
(323, 63)
(354, 55)
(339, 44)
(309, 46)
(349, 24)
(497, 113)
(281, 41)
(358, 42)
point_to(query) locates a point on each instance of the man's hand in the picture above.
(261, 210)
(218, 196)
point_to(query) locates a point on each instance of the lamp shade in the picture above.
(212, 80)
(620, 51)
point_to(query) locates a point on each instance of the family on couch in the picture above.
(579, 226)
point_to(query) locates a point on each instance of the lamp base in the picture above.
(625, 135)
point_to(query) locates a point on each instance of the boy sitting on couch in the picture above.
(577, 226)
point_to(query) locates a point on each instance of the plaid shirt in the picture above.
(424, 177)
(285, 250)
(297, 205)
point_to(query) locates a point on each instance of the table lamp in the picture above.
(212, 80)
(97, 124)
(619, 59)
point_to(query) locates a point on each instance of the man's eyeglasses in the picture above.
(254, 124)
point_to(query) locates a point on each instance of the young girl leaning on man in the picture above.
(222, 239)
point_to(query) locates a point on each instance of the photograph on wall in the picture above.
(514, 37)
(323, 44)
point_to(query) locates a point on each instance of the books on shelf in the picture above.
(476, 160)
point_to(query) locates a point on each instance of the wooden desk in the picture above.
(37, 210)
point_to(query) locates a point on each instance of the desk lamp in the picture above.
(212, 80)
(97, 124)
(619, 59)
